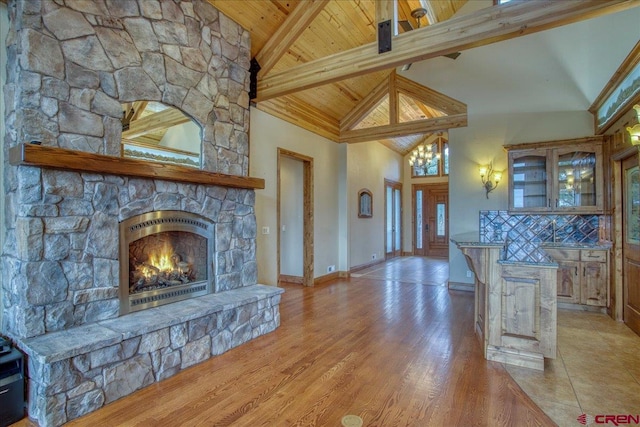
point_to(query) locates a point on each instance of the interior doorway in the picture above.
(392, 218)
(295, 218)
(431, 220)
(631, 242)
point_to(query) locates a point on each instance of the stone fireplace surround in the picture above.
(70, 65)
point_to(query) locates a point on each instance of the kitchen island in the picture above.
(515, 305)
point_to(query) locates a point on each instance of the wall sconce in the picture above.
(634, 132)
(490, 178)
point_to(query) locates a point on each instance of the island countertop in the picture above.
(515, 305)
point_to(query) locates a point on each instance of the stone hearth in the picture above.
(70, 66)
(76, 371)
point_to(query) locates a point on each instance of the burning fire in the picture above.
(164, 267)
(164, 260)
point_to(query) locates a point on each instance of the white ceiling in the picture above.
(562, 69)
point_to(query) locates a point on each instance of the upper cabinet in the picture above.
(556, 177)
(529, 183)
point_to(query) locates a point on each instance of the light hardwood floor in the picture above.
(383, 346)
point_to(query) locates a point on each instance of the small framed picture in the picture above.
(365, 204)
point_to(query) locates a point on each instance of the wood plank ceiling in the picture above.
(320, 60)
(339, 26)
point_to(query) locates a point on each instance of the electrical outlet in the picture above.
(374, 256)
(331, 269)
(265, 230)
(469, 273)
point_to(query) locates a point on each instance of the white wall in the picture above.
(340, 171)
(4, 28)
(291, 218)
(368, 165)
(267, 133)
(343, 207)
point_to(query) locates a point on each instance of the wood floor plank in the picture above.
(394, 353)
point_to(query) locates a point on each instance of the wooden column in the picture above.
(387, 10)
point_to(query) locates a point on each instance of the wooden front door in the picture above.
(431, 220)
(631, 242)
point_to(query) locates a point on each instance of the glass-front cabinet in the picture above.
(563, 176)
(529, 183)
(578, 179)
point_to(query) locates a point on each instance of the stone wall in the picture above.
(70, 65)
(72, 62)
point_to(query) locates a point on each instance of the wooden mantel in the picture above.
(80, 161)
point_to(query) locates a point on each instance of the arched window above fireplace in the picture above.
(158, 132)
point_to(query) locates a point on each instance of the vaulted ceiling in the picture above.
(321, 70)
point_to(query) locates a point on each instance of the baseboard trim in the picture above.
(326, 278)
(580, 307)
(365, 265)
(458, 286)
(291, 279)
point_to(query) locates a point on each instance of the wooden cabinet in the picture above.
(556, 177)
(569, 282)
(515, 306)
(522, 318)
(529, 183)
(483, 261)
(582, 275)
(594, 282)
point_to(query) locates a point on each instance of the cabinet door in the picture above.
(529, 184)
(522, 313)
(577, 178)
(569, 282)
(594, 284)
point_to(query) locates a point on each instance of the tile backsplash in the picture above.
(524, 233)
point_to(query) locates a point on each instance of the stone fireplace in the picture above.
(70, 66)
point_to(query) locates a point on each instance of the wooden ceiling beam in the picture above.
(138, 108)
(304, 115)
(480, 28)
(394, 110)
(394, 85)
(149, 139)
(366, 106)
(386, 10)
(288, 33)
(405, 128)
(154, 122)
(430, 97)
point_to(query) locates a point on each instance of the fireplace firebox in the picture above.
(165, 256)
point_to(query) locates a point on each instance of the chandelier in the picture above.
(425, 158)
(423, 155)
